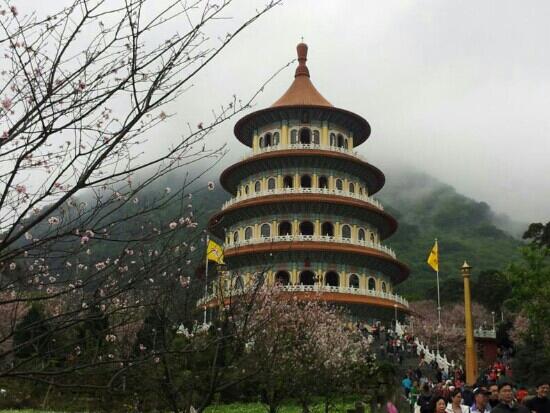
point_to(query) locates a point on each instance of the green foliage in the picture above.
(31, 335)
(465, 229)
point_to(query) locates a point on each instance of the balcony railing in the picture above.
(311, 146)
(287, 191)
(315, 289)
(316, 238)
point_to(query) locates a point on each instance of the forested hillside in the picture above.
(466, 230)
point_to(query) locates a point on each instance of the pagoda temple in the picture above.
(302, 213)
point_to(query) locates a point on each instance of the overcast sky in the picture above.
(458, 89)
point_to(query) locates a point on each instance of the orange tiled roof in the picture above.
(302, 92)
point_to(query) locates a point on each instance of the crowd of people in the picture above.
(500, 397)
(430, 389)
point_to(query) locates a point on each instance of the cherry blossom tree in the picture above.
(302, 349)
(82, 90)
(451, 335)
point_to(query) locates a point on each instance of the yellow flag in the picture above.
(433, 259)
(214, 252)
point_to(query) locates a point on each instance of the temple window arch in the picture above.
(267, 140)
(261, 142)
(384, 287)
(361, 234)
(236, 236)
(305, 181)
(316, 137)
(282, 278)
(271, 184)
(257, 186)
(248, 233)
(372, 237)
(307, 278)
(246, 189)
(353, 281)
(332, 139)
(306, 228)
(339, 184)
(265, 230)
(371, 284)
(340, 140)
(285, 228)
(305, 136)
(288, 181)
(293, 137)
(323, 182)
(346, 231)
(352, 187)
(360, 190)
(276, 138)
(332, 279)
(327, 229)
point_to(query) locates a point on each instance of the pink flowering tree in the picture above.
(451, 335)
(82, 90)
(302, 349)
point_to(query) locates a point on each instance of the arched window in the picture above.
(285, 228)
(371, 284)
(248, 233)
(346, 231)
(316, 138)
(371, 237)
(275, 138)
(265, 230)
(293, 136)
(239, 283)
(361, 234)
(353, 281)
(307, 278)
(305, 181)
(339, 184)
(323, 182)
(267, 139)
(282, 278)
(246, 189)
(306, 228)
(261, 142)
(352, 187)
(305, 136)
(271, 184)
(257, 186)
(346, 146)
(340, 141)
(236, 236)
(327, 229)
(332, 139)
(288, 182)
(360, 190)
(332, 279)
(383, 287)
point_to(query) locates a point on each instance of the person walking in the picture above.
(438, 404)
(507, 404)
(481, 401)
(540, 403)
(493, 396)
(455, 405)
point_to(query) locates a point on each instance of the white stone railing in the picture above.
(431, 355)
(483, 333)
(316, 238)
(287, 191)
(311, 146)
(316, 289)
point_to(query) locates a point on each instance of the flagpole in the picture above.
(206, 278)
(438, 298)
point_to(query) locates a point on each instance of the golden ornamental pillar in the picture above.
(470, 351)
